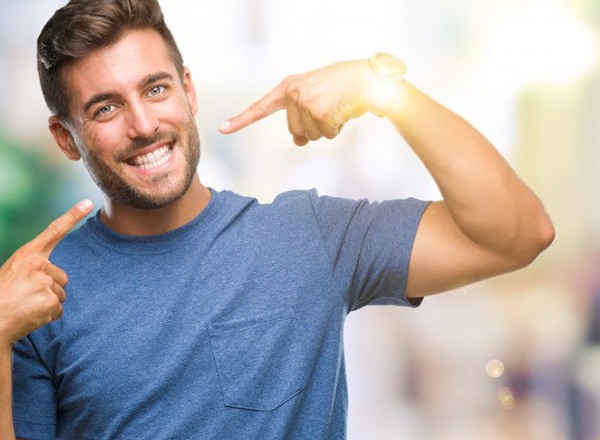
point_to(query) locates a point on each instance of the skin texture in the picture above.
(129, 101)
(135, 104)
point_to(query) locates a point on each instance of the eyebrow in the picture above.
(144, 82)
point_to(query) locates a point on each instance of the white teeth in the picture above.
(158, 157)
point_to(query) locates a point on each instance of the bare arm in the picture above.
(489, 222)
(31, 295)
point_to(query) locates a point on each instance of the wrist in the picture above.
(5, 345)
(383, 90)
(5, 342)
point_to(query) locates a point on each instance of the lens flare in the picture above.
(381, 96)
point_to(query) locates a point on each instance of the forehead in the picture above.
(119, 66)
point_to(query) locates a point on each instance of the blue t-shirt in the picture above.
(228, 327)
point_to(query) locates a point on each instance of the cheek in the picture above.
(177, 110)
(172, 116)
(102, 141)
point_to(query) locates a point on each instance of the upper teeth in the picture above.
(153, 159)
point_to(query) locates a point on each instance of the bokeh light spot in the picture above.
(494, 368)
(507, 398)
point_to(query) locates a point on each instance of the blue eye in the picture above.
(105, 109)
(156, 90)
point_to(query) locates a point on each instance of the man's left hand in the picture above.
(318, 103)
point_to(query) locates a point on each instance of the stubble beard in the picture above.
(119, 190)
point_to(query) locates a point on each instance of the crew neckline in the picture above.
(158, 243)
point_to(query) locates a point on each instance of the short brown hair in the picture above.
(82, 26)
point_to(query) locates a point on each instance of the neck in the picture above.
(135, 221)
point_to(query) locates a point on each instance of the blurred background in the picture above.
(513, 358)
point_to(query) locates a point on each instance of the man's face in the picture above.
(134, 122)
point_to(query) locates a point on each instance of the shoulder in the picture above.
(339, 206)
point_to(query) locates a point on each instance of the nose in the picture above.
(141, 122)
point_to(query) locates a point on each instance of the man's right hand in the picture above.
(32, 288)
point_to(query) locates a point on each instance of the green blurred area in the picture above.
(28, 186)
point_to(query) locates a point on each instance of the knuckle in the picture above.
(256, 107)
(51, 303)
(53, 230)
(40, 282)
(312, 135)
(293, 91)
(37, 263)
(289, 80)
(22, 252)
(303, 103)
(321, 114)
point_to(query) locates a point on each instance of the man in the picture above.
(193, 313)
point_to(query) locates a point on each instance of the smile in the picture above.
(152, 160)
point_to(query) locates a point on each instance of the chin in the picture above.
(134, 198)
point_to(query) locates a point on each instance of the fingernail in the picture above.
(225, 125)
(84, 205)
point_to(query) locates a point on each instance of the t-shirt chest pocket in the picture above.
(261, 363)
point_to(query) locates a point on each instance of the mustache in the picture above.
(141, 143)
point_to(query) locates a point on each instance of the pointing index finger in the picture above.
(59, 228)
(267, 105)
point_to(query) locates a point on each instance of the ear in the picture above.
(63, 138)
(190, 89)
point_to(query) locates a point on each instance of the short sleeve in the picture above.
(369, 245)
(34, 396)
